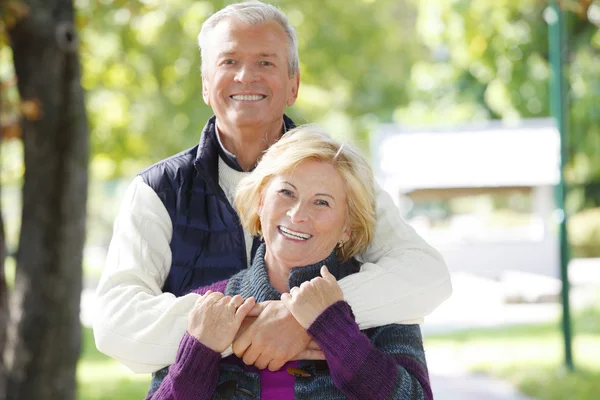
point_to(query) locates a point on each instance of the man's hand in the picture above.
(308, 301)
(273, 339)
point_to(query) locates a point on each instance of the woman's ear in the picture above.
(346, 234)
(260, 205)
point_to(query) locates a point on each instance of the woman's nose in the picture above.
(298, 213)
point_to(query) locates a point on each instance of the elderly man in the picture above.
(177, 230)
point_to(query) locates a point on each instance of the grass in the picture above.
(531, 357)
(101, 378)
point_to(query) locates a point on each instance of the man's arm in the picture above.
(402, 279)
(136, 323)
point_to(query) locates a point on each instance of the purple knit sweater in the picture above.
(378, 367)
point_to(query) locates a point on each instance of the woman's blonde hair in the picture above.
(304, 143)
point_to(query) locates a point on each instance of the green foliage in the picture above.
(584, 233)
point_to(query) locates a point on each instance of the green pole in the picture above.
(558, 103)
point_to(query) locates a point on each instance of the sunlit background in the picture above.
(450, 101)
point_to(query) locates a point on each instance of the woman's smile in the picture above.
(294, 235)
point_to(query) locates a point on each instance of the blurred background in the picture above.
(449, 98)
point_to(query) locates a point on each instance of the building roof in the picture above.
(475, 155)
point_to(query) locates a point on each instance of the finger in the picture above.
(262, 362)
(312, 345)
(275, 365)
(326, 274)
(237, 300)
(294, 290)
(251, 355)
(309, 354)
(257, 309)
(241, 344)
(213, 297)
(244, 309)
(202, 297)
(286, 299)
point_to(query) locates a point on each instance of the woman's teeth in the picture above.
(293, 234)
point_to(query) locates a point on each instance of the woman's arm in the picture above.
(389, 365)
(184, 380)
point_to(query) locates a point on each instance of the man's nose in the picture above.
(246, 74)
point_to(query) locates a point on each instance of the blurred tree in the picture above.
(45, 334)
(4, 316)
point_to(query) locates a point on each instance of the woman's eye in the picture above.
(286, 192)
(324, 203)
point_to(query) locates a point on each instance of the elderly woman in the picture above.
(312, 200)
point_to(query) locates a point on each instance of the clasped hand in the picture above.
(269, 334)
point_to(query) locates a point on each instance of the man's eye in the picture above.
(228, 62)
(266, 63)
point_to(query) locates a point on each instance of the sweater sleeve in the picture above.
(136, 323)
(402, 278)
(390, 365)
(184, 380)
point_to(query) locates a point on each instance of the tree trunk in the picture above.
(48, 281)
(3, 291)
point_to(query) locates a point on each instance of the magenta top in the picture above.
(278, 385)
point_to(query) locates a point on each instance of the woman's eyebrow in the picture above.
(324, 194)
(288, 183)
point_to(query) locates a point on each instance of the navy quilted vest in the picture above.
(208, 241)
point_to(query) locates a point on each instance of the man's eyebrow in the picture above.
(226, 53)
(268, 55)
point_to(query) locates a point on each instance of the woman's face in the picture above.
(303, 214)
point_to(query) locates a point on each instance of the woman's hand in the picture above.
(215, 319)
(308, 301)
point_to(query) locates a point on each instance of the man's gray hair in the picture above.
(253, 12)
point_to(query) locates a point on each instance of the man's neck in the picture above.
(248, 144)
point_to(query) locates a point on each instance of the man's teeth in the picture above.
(248, 97)
(294, 235)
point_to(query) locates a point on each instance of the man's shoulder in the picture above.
(163, 174)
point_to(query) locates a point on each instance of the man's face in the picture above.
(247, 81)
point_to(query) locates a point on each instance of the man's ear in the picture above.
(293, 95)
(205, 88)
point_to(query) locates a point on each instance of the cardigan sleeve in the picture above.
(389, 365)
(194, 374)
(402, 278)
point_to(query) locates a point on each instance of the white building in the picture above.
(482, 194)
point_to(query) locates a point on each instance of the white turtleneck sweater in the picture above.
(402, 278)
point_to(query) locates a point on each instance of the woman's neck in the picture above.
(279, 274)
